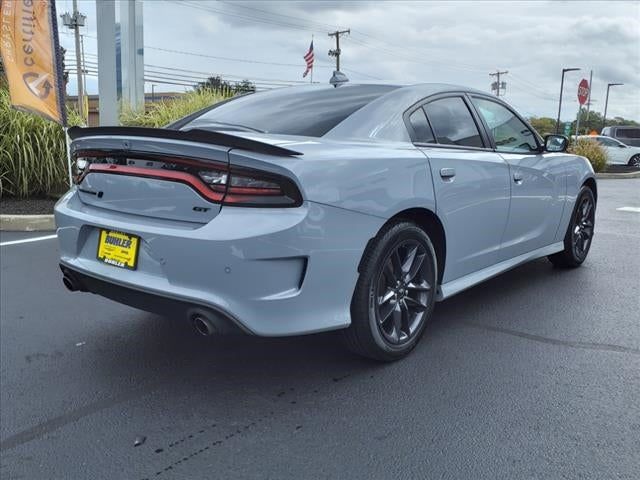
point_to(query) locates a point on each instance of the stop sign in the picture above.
(583, 91)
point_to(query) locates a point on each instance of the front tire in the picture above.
(634, 161)
(577, 240)
(395, 293)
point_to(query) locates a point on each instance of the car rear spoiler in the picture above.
(195, 135)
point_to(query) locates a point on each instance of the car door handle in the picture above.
(517, 177)
(447, 172)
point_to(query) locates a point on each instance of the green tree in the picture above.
(594, 122)
(544, 125)
(245, 86)
(217, 84)
(214, 83)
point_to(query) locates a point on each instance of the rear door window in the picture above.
(421, 129)
(452, 122)
(607, 142)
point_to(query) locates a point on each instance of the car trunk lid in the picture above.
(155, 172)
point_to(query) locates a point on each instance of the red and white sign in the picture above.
(583, 91)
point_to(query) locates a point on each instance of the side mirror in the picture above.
(622, 145)
(556, 143)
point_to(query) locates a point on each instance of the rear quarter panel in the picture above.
(373, 179)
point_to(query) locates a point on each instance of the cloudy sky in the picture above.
(458, 42)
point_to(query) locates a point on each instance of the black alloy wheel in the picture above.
(579, 236)
(395, 293)
(634, 161)
(402, 292)
(582, 232)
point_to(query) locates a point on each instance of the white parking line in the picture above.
(27, 240)
(629, 209)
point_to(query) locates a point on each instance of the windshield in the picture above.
(308, 111)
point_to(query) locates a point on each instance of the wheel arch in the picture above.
(591, 183)
(431, 224)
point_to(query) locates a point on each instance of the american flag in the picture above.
(308, 57)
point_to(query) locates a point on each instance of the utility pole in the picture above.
(497, 85)
(336, 52)
(74, 21)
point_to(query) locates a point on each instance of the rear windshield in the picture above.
(628, 132)
(290, 111)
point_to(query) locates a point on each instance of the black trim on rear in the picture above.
(154, 303)
(196, 135)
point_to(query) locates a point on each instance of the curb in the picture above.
(618, 175)
(27, 223)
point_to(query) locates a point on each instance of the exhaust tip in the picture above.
(203, 325)
(70, 283)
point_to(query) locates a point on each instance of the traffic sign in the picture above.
(583, 91)
(567, 129)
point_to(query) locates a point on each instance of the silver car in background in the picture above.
(314, 208)
(617, 152)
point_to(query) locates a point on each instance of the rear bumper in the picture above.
(151, 301)
(269, 272)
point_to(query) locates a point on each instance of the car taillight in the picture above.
(252, 188)
(216, 181)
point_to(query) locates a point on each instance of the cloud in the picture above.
(453, 42)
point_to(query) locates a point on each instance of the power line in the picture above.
(203, 75)
(322, 26)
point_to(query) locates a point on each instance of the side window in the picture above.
(509, 132)
(452, 122)
(606, 142)
(421, 128)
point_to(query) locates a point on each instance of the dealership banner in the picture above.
(31, 57)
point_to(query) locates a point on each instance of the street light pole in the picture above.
(606, 102)
(564, 70)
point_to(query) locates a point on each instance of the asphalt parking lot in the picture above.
(534, 374)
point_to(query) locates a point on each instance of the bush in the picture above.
(161, 113)
(592, 150)
(33, 158)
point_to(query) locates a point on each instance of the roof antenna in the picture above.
(338, 78)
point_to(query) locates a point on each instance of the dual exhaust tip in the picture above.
(202, 322)
(72, 284)
(203, 325)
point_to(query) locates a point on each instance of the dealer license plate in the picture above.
(118, 249)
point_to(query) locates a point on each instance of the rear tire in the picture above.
(634, 161)
(395, 293)
(579, 236)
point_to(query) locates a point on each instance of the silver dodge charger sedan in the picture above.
(316, 208)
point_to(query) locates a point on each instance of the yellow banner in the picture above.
(30, 51)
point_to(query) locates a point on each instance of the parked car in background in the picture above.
(627, 135)
(617, 152)
(314, 208)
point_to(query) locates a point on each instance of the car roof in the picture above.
(383, 117)
(420, 89)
